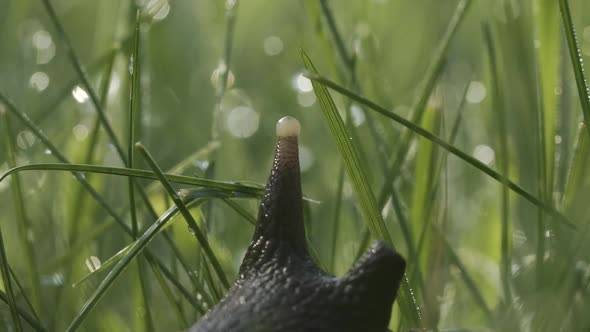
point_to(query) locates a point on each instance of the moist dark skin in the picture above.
(279, 287)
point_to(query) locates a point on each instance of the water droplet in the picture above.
(25, 139)
(476, 92)
(48, 151)
(217, 75)
(93, 263)
(484, 153)
(273, 45)
(242, 300)
(191, 230)
(39, 81)
(242, 121)
(79, 94)
(558, 139)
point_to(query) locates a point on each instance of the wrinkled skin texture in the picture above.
(279, 287)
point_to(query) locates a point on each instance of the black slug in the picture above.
(279, 288)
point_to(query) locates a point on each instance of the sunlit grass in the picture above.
(404, 96)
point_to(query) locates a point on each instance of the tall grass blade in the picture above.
(435, 67)
(358, 177)
(83, 77)
(23, 225)
(143, 316)
(8, 285)
(443, 144)
(195, 229)
(576, 59)
(498, 106)
(34, 323)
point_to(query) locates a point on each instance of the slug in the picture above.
(279, 287)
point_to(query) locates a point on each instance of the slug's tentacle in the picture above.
(280, 229)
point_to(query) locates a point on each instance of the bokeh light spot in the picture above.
(242, 122)
(476, 92)
(302, 83)
(39, 81)
(484, 153)
(273, 45)
(80, 132)
(79, 94)
(25, 139)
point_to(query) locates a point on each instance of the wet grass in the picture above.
(392, 147)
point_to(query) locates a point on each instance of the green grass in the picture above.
(392, 141)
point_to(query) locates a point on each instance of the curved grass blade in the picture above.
(358, 177)
(187, 216)
(193, 198)
(181, 166)
(443, 144)
(247, 189)
(133, 252)
(24, 315)
(89, 188)
(577, 62)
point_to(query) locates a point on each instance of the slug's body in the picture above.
(279, 287)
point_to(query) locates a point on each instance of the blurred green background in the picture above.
(484, 258)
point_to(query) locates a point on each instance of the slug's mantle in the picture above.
(279, 287)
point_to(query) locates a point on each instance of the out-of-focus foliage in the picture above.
(504, 93)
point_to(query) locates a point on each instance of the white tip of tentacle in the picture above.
(288, 126)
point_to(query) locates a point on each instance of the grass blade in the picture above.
(89, 188)
(577, 62)
(506, 229)
(351, 161)
(246, 189)
(358, 177)
(187, 216)
(143, 316)
(83, 77)
(433, 71)
(24, 315)
(23, 225)
(443, 144)
(106, 283)
(8, 285)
